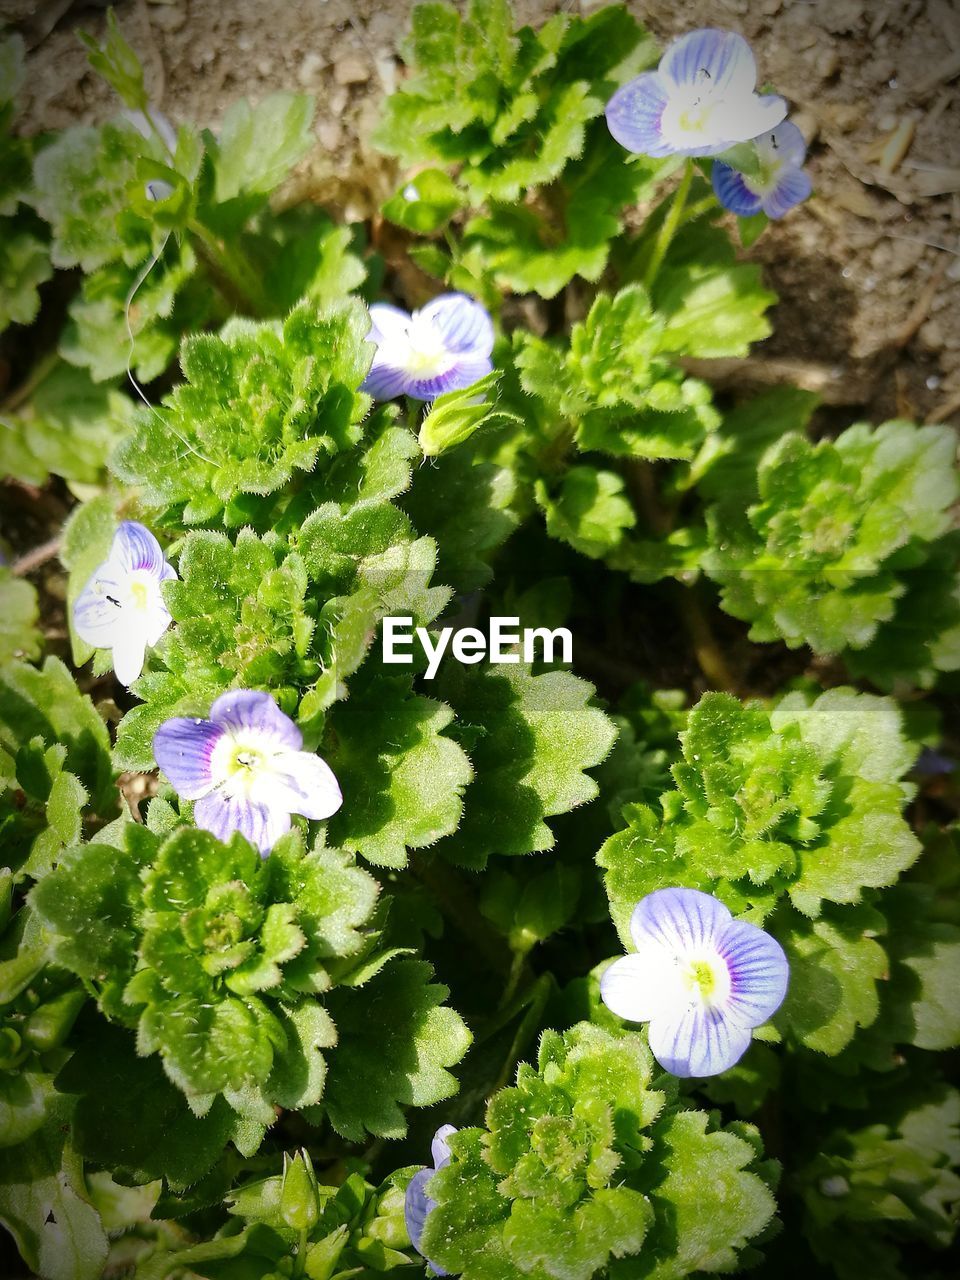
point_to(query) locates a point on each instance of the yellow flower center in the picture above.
(138, 595)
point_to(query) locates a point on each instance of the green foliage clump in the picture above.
(843, 543)
(588, 1161)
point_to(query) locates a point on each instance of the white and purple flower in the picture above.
(445, 346)
(417, 1204)
(701, 100)
(700, 978)
(121, 607)
(779, 182)
(245, 769)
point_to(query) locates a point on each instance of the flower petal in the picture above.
(98, 613)
(634, 114)
(440, 1147)
(388, 324)
(784, 144)
(135, 547)
(463, 323)
(250, 712)
(129, 651)
(183, 749)
(697, 1042)
(793, 187)
(641, 986)
(222, 812)
(741, 119)
(298, 782)
(416, 1205)
(681, 920)
(759, 973)
(731, 190)
(385, 381)
(717, 62)
(466, 371)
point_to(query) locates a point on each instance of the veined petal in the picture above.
(385, 381)
(135, 547)
(466, 371)
(634, 114)
(251, 712)
(784, 145)
(98, 613)
(298, 782)
(222, 812)
(183, 749)
(793, 187)
(697, 1042)
(643, 985)
(731, 190)
(156, 618)
(462, 323)
(714, 61)
(759, 973)
(416, 1205)
(681, 920)
(440, 1147)
(129, 651)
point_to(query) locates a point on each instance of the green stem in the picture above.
(668, 228)
(155, 130)
(236, 282)
(300, 1262)
(540, 994)
(38, 374)
(711, 659)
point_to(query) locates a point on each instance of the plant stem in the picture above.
(540, 993)
(668, 227)
(38, 374)
(712, 662)
(458, 904)
(234, 280)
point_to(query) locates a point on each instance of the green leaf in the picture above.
(19, 637)
(258, 146)
(404, 777)
(714, 306)
(24, 266)
(396, 1043)
(425, 203)
(453, 417)
(46, 1207)
(118, 64)
(589, 511)
(303, 378)
(851, 512)
(835, 964)
(130, 1117)
(530, 738)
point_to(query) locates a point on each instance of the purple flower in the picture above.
(121, 607)
(699, 101)
(701, 979)
(418, 1204)
(445, 346)
(245, 769)
(779, 182)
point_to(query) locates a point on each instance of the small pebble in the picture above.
(351, 70)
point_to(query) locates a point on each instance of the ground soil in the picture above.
(868, 271)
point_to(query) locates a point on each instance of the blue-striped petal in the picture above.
(255, 714)
(634, 114)
(792, 188)
(697, 1041)
(463, 324)
(222, 812)
(718, 62)
(463, 374)
(440, 1147)
(730, 188)
(183, 749)
(416, 1205)
(759, 973)
(682, 920)
(135, 547)
(784, 145)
